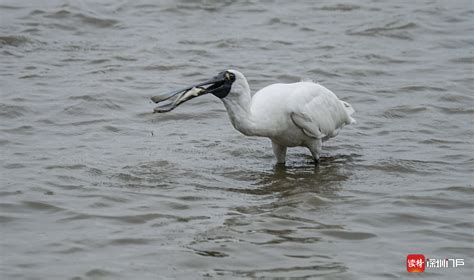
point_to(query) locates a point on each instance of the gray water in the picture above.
(96, 186)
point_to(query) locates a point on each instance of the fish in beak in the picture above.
(219, 86)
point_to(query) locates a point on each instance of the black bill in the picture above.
(175, 98)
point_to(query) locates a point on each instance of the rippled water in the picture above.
(95, 186)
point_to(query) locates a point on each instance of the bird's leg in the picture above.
(280, 152)
(315, 148)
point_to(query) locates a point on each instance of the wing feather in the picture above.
(318, 112)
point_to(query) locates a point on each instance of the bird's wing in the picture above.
(317, 111)
(304, 122)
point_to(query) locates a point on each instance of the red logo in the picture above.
(416, 263)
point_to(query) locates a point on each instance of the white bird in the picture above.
(298, 114)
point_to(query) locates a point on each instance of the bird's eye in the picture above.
(229, 76)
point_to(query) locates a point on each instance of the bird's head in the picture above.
(222, 85)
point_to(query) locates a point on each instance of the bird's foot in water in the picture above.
(312, 160)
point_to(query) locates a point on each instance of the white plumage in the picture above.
(298, 114)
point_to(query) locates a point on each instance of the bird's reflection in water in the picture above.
(301, 186)
(300, 177)
(289, 209)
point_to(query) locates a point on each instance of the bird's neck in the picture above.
(240, 115)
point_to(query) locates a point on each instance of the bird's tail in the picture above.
(349, 110)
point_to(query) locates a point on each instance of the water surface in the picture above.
(95, 186)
